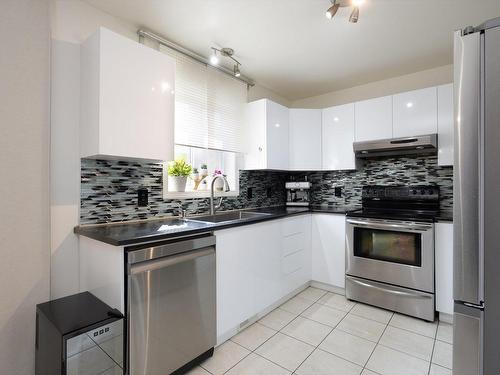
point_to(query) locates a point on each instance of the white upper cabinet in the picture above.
(445, 125)
(337, 137)
(415, 113)
(305, 139)
(267, 135)
(127, 97)
(374, 119)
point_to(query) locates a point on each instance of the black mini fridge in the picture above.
(78, 335)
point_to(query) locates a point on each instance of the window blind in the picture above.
(209, 106)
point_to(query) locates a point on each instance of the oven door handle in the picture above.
(409, 227)
(391, 291)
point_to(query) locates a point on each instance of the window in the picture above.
(209, 115)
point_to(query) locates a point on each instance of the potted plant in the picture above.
(219, 183)
(196, 174)
(178, 172)
(203, 170)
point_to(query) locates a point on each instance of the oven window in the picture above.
(397, 247)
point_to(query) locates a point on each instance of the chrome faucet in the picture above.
(226, 188)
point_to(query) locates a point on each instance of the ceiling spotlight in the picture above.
(357, 3)
(237, 72)
(214, 59)
(332, 10)
(354, 15)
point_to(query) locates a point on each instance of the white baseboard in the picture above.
(446, 318)
(328, 287)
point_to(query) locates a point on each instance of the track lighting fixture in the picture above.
(336, 4)
(354, 15)
(237, 72)
(226, 52)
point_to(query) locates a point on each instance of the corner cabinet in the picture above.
(305, 139)
(267, 132)
(127, 99)
(445, 125)
(443, 233)
(337, 137)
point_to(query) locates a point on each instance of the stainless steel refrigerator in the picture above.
(476, 279)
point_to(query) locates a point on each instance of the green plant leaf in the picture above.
(179, 167)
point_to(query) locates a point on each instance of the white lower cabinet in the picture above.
(444, 267)
(328, 249)
(257, 265)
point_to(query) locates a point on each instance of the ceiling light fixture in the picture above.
(226, 52)
(354, 15)
(336, 4)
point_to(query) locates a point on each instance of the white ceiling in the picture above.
(290, 47)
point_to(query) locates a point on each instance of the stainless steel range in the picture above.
(390, 249)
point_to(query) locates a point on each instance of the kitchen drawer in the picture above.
(294, 225)
(294, 243)
(293, 262)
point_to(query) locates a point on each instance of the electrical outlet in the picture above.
(269, 192)
(338, 191)
(142, 197)
(249, 193)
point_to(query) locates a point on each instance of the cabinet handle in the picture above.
(260, 149)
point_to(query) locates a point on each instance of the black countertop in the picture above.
(130, 233)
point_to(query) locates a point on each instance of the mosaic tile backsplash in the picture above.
(109, 192)
(380, 171)
(109, 188)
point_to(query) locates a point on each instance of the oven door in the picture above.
(395, 252)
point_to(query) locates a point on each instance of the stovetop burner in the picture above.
(412, 203)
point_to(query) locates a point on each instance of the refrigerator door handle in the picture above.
(466, 186)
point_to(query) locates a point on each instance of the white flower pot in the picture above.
(203, 172)
(196, 176)
(177, 183)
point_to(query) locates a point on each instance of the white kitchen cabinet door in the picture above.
(328, 249)
(127, 97)
(277, 136)
(445, 125)
(337, 137)
(305, 139)
(235, 278)
(267, 133)
(415, 113)
(444, 267)
(296, 252)
(373, 119)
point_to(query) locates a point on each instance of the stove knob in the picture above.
(422, 192)
(414, 192)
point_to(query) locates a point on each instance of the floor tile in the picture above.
(225, 357)
(368, 372)
(408, 342)
(296, 305)
(371, 312)
(443, 354)
(257, 365)
(312, 294)
(337, 301)
(387, 361)
(198, 371)
(415, 325)
(323, 363)
(438, 370)
(445, 332)
(285, 351)
(347, 346)
(307, 330)
(324, 314)
(361, 327)
(277, 319)
(253, 336)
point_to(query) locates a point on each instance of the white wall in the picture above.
(259, 92)
(24, 163)
(418, 80)
(71, 23)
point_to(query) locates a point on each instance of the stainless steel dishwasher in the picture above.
(171, 305)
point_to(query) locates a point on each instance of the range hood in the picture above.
(422, 144)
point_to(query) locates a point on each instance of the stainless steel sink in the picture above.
(229, 216)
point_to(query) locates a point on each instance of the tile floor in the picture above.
(320, 333)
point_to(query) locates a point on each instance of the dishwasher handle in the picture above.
(151, 265)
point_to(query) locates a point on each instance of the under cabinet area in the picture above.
(122, 117)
